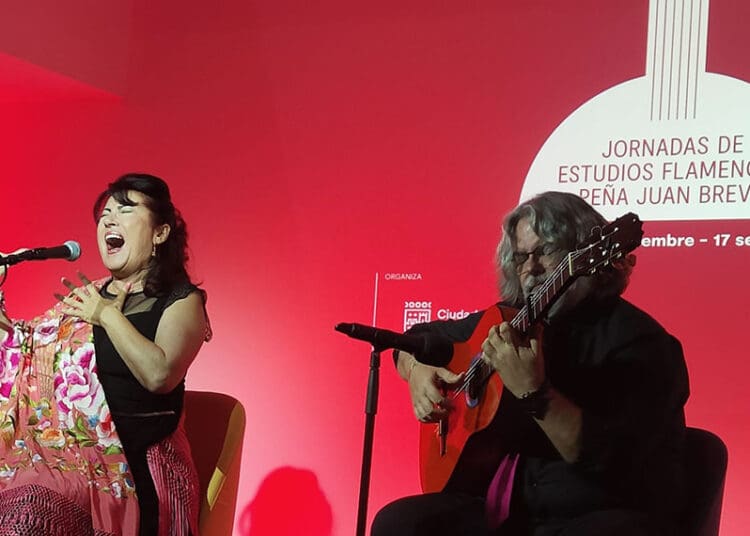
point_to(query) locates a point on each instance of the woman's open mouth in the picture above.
(114, 242)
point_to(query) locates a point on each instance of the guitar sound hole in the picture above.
(476, 383)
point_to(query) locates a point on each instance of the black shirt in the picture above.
(628, 376)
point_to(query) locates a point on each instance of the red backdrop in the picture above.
(313, 145)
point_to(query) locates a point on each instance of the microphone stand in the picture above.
(382, 339)
(371, 408)
(26, 255)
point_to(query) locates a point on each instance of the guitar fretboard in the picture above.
(538, 302)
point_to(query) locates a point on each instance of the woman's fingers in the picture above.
(79, 292)
(71, 286)
(87, 284)
(85, 280)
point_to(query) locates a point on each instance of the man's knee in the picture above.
(396, 518)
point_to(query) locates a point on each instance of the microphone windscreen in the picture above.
(75, 250)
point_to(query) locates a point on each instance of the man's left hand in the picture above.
(519, 362)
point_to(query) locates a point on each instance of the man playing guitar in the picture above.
(561, 411)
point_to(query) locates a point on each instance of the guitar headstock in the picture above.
(607, 244)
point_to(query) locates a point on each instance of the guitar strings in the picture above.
(479, 366)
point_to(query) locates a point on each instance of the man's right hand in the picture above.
(427, 386)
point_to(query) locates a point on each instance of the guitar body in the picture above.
(459, 456)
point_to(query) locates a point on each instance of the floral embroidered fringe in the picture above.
(62, 466)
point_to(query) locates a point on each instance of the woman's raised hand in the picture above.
(86, 303)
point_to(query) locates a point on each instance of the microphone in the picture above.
(426, 347)
(70, 251)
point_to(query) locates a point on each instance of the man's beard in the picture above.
(565, 302)
(533, 283)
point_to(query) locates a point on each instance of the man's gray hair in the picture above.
(563, 220)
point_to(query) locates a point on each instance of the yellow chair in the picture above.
(215, 427)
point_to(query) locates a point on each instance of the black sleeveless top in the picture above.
(141, 418)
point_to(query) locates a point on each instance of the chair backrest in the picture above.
(215, 427)
(706, 465)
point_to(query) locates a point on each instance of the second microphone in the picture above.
(426, 347)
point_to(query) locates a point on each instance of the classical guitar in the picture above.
(448, 447)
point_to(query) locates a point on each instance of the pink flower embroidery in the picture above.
(46, 332)
(10, 359)
(105, 429)
(77, 385)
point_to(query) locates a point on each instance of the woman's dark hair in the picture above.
(168, 267)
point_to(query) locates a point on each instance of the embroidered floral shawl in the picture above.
(56, 430)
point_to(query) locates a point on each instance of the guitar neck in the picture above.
(539, 302)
